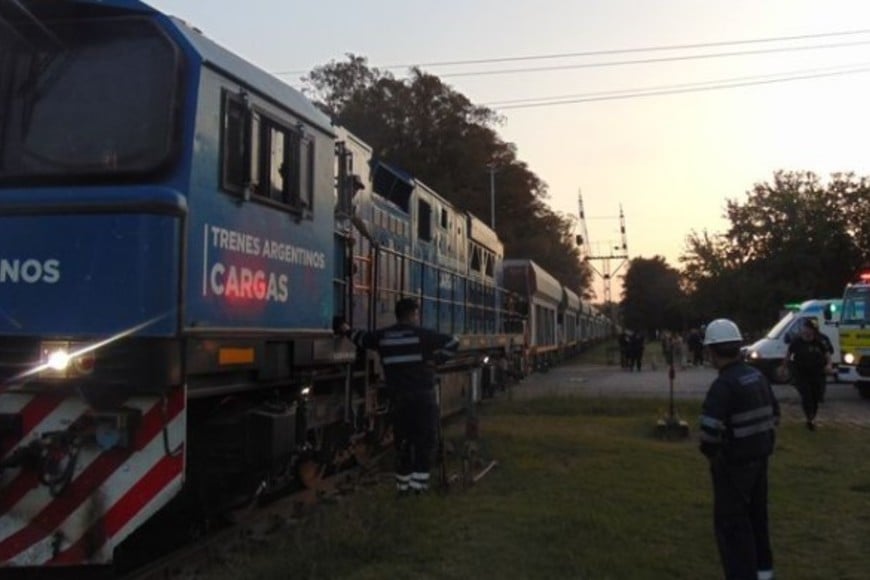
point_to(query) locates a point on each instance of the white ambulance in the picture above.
(768, 353)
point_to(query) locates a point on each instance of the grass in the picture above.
(583, 490)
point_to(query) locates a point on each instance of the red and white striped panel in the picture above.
(111, 493)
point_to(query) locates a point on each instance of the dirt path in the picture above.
(842, 405)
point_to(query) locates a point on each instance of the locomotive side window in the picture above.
(475, 259)
(234, 153)
(266, 158)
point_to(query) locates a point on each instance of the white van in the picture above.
(768, 353)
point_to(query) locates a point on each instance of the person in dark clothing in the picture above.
(408, 354)
(696, 346)
(637, 347)
(624, 342)
(810, 356)
(738, 432)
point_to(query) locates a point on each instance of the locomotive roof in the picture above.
(539, 280)
(483, 234)
(253, 76)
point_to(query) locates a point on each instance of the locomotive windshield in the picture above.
(85, 97)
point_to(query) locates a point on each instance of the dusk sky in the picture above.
(671, 159)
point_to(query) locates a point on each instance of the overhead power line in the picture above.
(658, 48)
(653, 92)
(633, 50)
(845, 69)
(650, 60)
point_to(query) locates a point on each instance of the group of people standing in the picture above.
(683, 351)
(631, 346)
(677, 349)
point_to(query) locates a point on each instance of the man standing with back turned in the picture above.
(738, 422)
(408, 355)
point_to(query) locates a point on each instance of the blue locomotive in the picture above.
(178, 231)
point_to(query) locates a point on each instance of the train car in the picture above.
(569, 321)
(542, 295)
(600, 325)
(587, 324)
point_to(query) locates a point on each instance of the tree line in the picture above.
(790, 239)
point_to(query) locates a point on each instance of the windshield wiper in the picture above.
(29, 39)
(34, 37)
(28, 27)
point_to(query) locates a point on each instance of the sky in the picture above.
(669, 161)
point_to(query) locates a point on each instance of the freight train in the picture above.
(178, 232)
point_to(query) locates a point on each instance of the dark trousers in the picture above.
(740, 518)
(812, 390)
(415, 433)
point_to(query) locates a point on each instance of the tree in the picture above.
(652, 297)
(439, 136)
(790, 240)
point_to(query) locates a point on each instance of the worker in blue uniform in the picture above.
(408, 354)
(738, 430)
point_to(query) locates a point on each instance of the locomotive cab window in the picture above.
(266, 158)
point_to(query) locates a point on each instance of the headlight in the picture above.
(849, 358)
(753, 354)
(61, 359)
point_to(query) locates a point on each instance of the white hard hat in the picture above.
(722, 330)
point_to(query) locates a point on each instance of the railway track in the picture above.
(250, 526)
(464, 465)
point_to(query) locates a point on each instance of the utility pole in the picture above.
(617, 251)
(492, 169)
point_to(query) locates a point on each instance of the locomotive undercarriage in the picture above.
(261, 441)
(230, 436)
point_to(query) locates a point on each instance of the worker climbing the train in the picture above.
(408, 355)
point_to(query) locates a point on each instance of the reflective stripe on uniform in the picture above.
(404, 358)
(712, 423)
(753, 421)
(753, 414)
(400, 341)
(402, 482)
(740, 432)
(419, 480)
